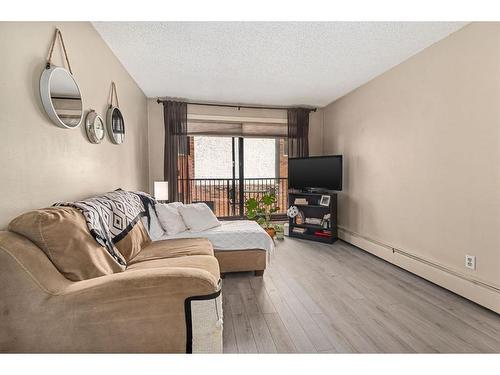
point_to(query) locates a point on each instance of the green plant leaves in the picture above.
(268, 199)
(251, 204)
(261, 210)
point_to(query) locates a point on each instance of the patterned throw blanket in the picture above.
(112, 216)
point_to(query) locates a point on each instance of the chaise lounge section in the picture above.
(239, 245)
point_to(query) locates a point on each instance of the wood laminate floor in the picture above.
(339, 299)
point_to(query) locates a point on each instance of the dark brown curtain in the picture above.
(298, 132)
(176, 167)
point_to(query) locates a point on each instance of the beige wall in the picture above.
(422, 162)
(316, 133)
(156, 140)
(41, 163)
(157, 135)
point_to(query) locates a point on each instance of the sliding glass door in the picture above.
(226, 171)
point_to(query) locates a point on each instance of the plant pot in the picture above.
(270, 231)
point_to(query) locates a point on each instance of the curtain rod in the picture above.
(234, 105)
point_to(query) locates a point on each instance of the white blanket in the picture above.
(232, 235)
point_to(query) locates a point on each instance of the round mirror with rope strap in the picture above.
(59, 91)
(114, 118)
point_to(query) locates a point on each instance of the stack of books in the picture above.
(302, 201)
(299, 230)
(314, 220)
(323, 233)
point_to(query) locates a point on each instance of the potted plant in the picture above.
(280, 231)
(261, 211)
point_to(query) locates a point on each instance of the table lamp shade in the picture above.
(161, 190)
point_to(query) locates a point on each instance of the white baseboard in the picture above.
(474, 290)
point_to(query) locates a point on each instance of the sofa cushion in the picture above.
(203, 262)
(174, 248)
(135, 240)
(62, 233)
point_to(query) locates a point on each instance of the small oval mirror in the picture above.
(61, 97)
(116, 125)
(94, 126)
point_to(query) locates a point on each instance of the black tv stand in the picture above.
(313, 209)
(312, 191)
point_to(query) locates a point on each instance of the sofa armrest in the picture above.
(134, 311)
(143, 284)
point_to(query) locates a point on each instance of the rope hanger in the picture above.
(58, 34)
(114, 94)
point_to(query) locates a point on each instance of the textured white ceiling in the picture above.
(278, 63)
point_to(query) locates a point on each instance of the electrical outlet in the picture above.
(470, 261)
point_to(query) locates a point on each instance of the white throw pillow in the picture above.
(169, 218)
(154, 229)
(198, 217)
(174, 204)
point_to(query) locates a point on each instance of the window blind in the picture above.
(236, 129)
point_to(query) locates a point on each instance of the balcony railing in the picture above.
(227, 197)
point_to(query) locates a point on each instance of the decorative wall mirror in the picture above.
(59, 91)
(94, 126)
(114, 119)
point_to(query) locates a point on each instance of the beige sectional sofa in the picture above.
(253, 260)
(62, 292)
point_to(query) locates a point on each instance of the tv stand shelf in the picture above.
(314, 210)
(311, 205)
(310, 226)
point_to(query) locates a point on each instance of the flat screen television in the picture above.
(315, 173)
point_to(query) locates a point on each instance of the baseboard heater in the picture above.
(422, 260)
